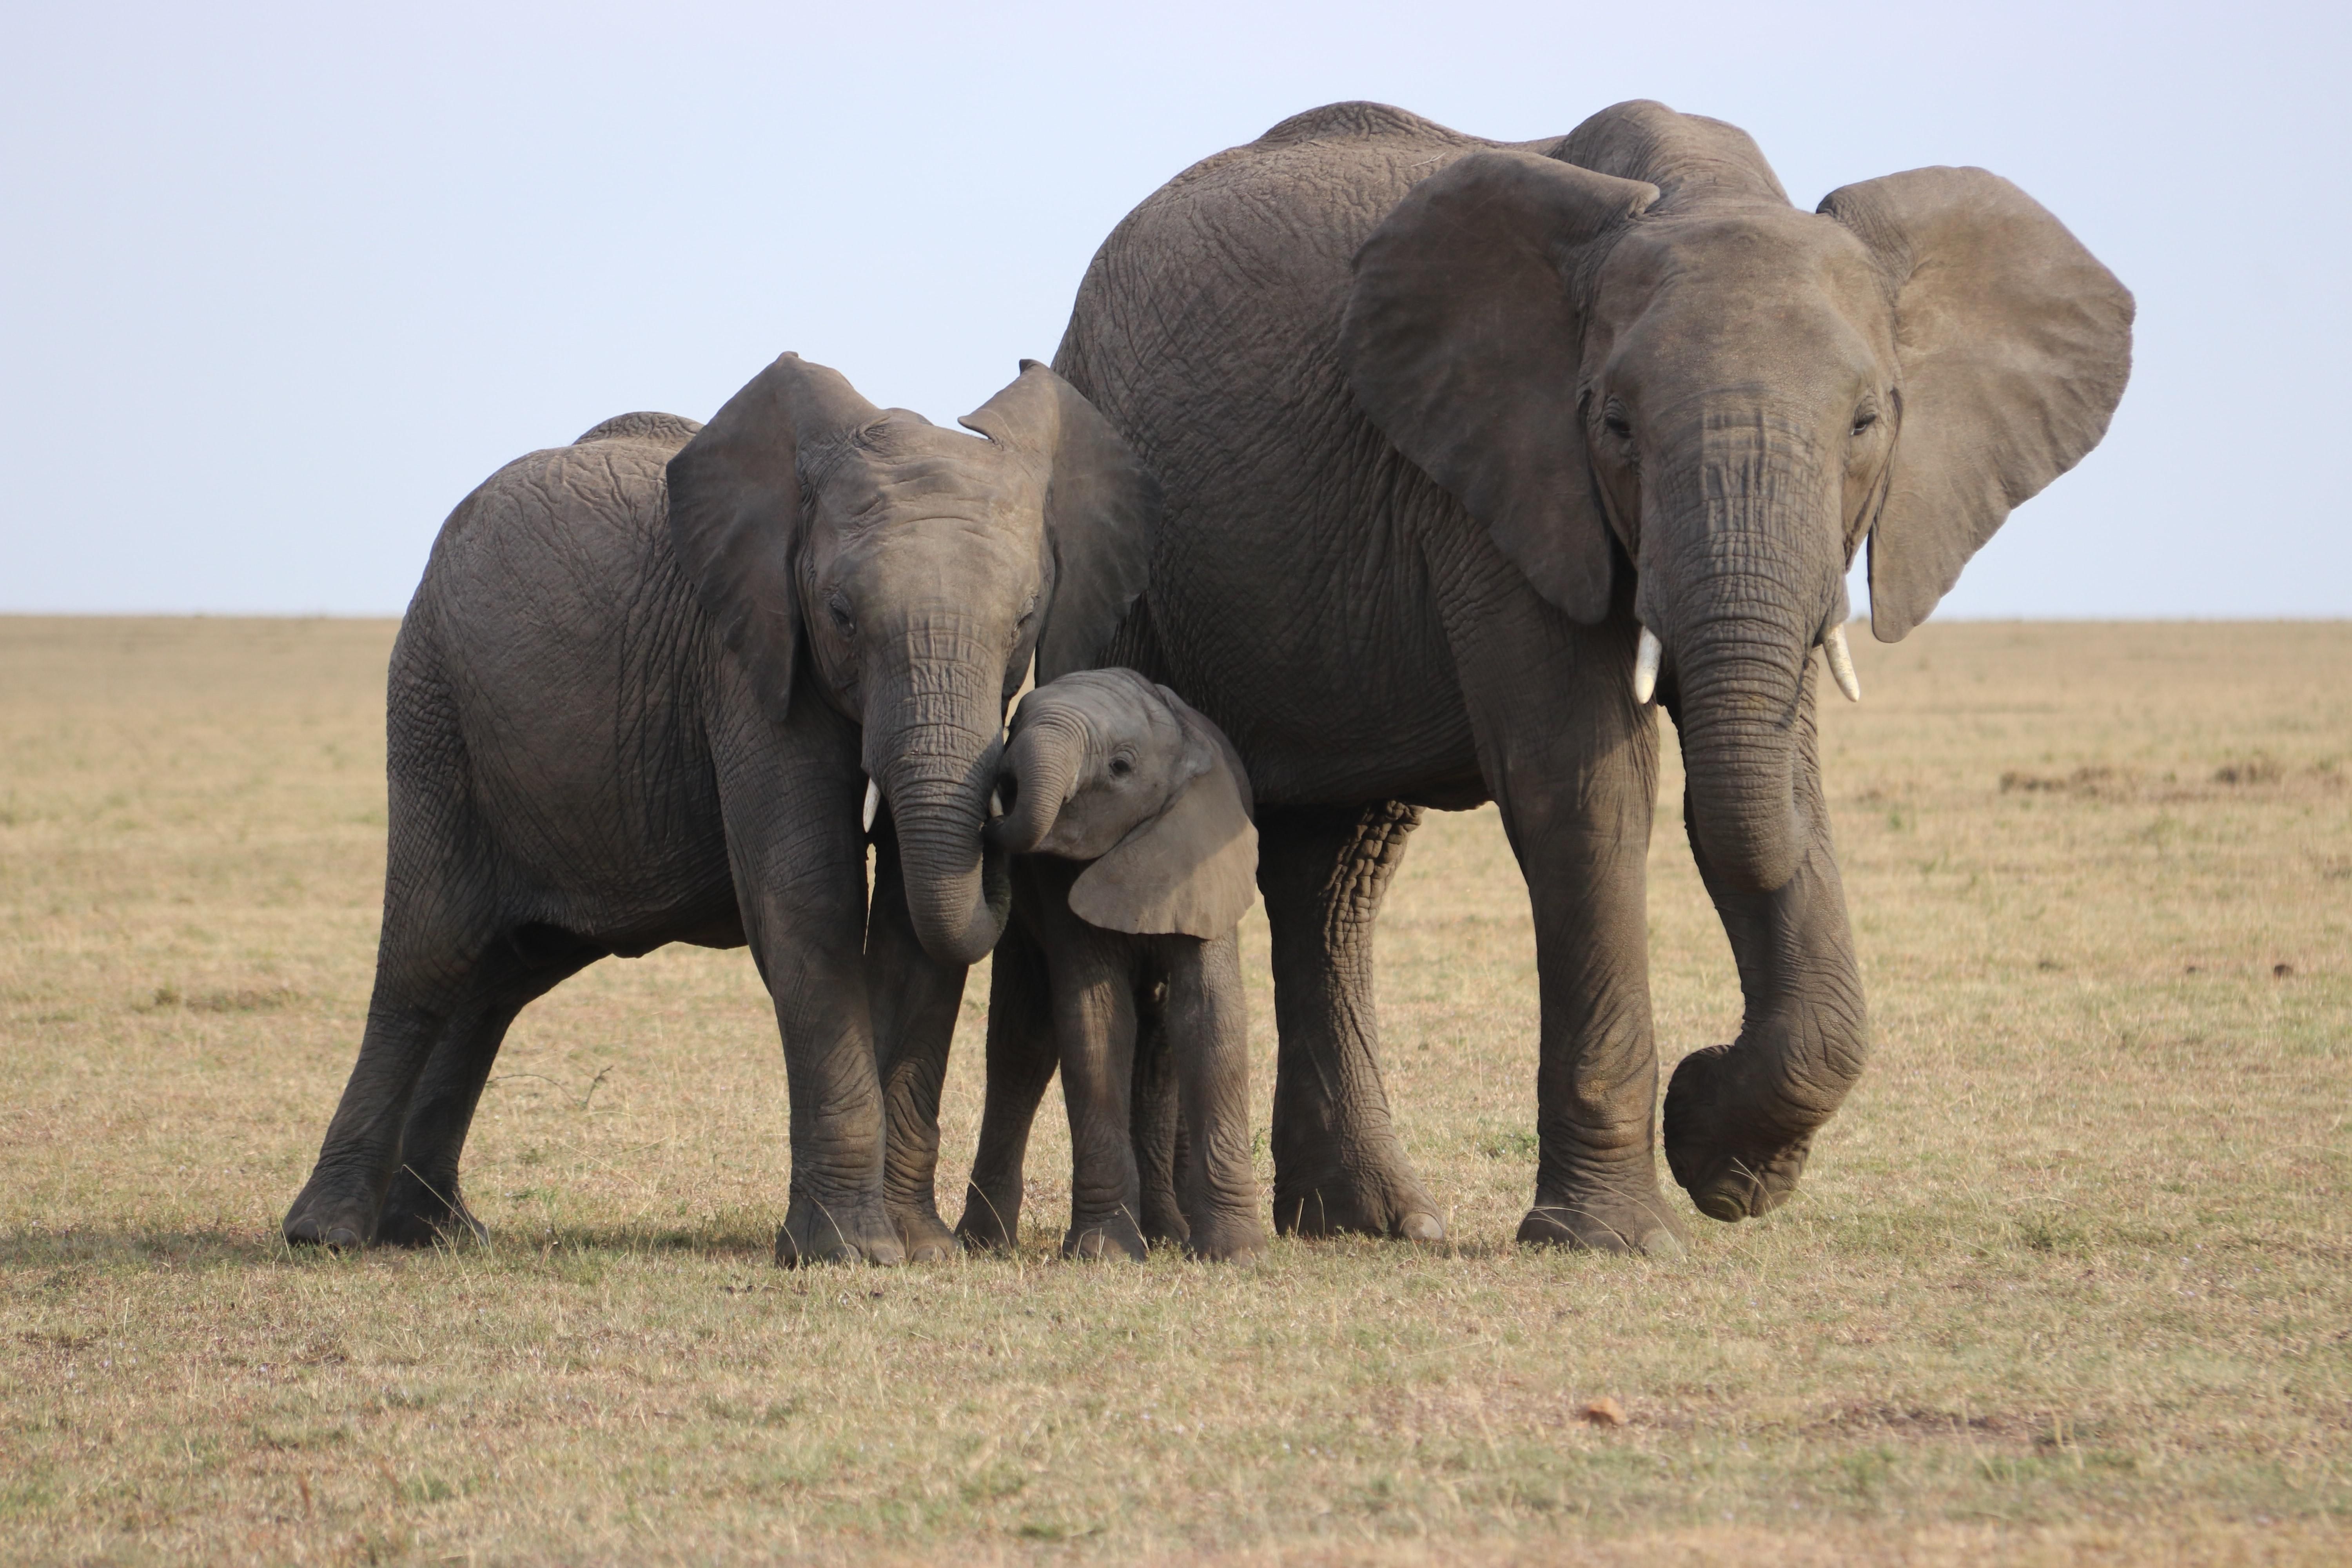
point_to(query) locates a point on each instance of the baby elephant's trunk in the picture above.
(1039, 768)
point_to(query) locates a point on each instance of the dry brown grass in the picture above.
(2068, 1283)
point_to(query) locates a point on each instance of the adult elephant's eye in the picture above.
(1613, 420)
(1864, 420)
(844, 621)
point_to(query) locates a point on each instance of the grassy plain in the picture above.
(2071, 1278)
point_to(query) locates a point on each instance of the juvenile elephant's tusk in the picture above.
(1841, 662)
(1646, 665)
(873, 804)
(996, 803)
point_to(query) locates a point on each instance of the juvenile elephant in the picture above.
(1469, 449)
(1128, 817)
(636, 700)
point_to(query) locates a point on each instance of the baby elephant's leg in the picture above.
(1094, 1024)
(1156, 1116)
(1208, 1035)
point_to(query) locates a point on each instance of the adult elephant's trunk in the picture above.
(1739, 680)
(933, 748)
(1039, 768)
(1740, 580)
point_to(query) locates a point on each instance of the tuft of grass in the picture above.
(2068, 1280)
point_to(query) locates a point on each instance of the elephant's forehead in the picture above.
(936, 480)
(1752, 247)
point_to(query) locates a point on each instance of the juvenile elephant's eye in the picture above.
(842, 621)
(1120, 767)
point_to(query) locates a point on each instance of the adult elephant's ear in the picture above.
(735, 510)
(1463, 343)
(2013, 344)
(1102, 510)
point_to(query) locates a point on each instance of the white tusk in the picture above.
(1841, 662)
(996, 803)
(1646, 665)
(873, 804)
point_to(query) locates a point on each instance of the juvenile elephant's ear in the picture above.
(1190, 870)
(1102, 510)
(2014, 345)
(735, 512)
(1462, 342)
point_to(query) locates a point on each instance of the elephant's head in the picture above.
(1105, 767)
(906, 574)
(1637, 353)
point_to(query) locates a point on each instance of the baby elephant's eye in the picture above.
(1120, 767)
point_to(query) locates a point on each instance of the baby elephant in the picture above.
(1128, 817)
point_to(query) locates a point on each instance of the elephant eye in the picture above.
(1864, 420)
(842, 621)
(1120, 767)
(1614, 420)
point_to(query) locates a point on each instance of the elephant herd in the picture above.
(1382, 469)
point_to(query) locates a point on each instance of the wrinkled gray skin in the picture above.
(636, 700)
(1442, 423)
(1129, 817)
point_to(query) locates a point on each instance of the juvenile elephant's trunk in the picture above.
(1039, 768)
(934, 753)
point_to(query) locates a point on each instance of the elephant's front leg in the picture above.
(1740, 1117)
(1337, 1164)
(1094, 1029)
(1207, 1033)
(791, 806)
(1572, 762)
(913, 999)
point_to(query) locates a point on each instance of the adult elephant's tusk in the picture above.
(873, 804)
(1840, 663)
(996, 803)
(1646, 665)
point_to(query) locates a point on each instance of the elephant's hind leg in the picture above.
(427, 967)
(425, 1204)
(1338, 1166)
(1021, 1063)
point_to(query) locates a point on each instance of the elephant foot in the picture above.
(1380, 1197)
(1226, 1238)
(1606, 1222)
(990, 1222)
(1115, 1237)
(1725, 1154)
(923, 1234)
(420, 1214)
(848, 1232)
(1163, 1220)
(327, 1216)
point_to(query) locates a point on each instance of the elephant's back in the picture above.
(1244, 259)
(1207, 332)
(559, 639)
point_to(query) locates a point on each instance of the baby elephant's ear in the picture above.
(1193, 869)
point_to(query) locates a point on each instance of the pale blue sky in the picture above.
(278, 285)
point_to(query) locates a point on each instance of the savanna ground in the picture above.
(2067, 1280)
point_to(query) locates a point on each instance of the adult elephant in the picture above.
(1467, 447)
(639, 694)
